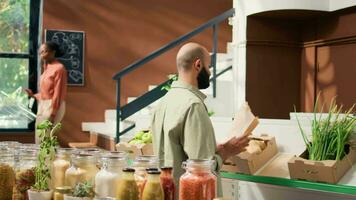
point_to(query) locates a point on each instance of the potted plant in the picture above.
(81, 191)
(41, 190)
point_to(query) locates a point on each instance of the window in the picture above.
(19, 28)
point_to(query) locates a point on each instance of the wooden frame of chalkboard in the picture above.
(72, 45)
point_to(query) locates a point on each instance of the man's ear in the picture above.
(197, 65)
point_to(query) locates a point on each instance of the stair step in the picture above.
(223, 57)
(151, 87)
(108, 128)
(222, 87)
(131, 99)
(222, 126)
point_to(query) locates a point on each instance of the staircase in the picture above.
(221, 106)
(136, 114)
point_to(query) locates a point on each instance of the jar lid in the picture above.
(154, 172)
(92, 151)
(148, 158)
(146, 161)
(82, 157)
(113, 157)
(166, 168)
(66, 150)
(28, 152)
(11, 144)
(118, 153)
(128, 170)
(29, 146)
(64, 189)
(198, 163)
(152, 169)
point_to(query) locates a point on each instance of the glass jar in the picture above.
(127, 188)
(29, 147)
(168, 183)
(140, 164)
(24, 173)
(60, 192)
(10, 144)
(59, 166)
(83, 168)
(198, 182)
(153, 189)
(7, 174)
(108, 177)
(111, 153)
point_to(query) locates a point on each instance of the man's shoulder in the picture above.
(179, 101)
(183, 95)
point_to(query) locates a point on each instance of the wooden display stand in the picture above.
(93, 141)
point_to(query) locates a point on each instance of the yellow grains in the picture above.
(7, 180)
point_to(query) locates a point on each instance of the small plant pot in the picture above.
(68, 197)
(39, 195)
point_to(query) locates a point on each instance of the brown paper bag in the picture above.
(244, 122)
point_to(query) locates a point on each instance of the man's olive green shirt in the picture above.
(182, 129)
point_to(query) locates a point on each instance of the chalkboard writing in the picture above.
(72, 45)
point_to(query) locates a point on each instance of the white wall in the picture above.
(257, 6)
(340, 4)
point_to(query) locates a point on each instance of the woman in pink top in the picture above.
(53, 86)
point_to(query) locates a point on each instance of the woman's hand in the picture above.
(29, 92)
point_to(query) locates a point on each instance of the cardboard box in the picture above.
(135, 150)
(248, 163)
(327, 171)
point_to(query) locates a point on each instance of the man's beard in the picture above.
(203, 79)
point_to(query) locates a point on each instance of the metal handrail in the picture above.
(211, 23)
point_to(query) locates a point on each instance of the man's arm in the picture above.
(199, 139)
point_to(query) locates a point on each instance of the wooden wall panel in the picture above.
(337, 74)
(119, 32)
(273, 67)
(274, 41)
(273, 78)
(307, 89)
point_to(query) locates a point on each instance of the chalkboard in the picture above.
(72, 45)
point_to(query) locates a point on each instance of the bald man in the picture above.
(181, 125)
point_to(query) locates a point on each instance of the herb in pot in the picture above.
(83, 190)
(329, 135)
(46, 154)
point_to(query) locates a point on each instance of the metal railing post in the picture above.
(213, 58)
(118, 109)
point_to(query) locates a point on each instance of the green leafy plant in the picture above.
(142, 137)
(14, 38)
(46, 154)
(211, 113)
(329, 135)
(168, 86)
(84, 189)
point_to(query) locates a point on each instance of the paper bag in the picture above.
(244, 122)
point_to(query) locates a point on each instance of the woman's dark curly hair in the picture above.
(52, 46)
